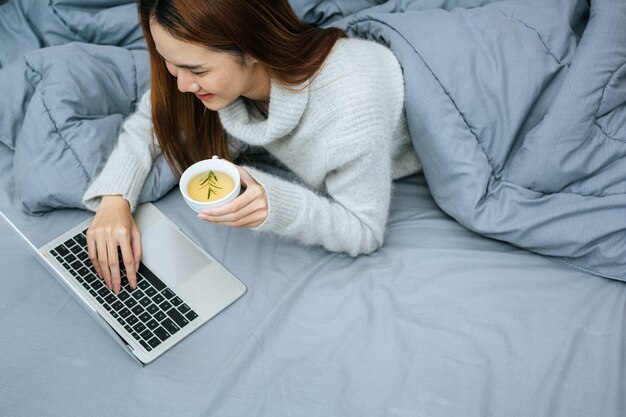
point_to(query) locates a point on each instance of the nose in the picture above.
(185, 81)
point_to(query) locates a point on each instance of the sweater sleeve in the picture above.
(351, 213)
(129, 164)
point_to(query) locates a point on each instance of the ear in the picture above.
(249, 59)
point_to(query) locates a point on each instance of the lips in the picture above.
(205, 97)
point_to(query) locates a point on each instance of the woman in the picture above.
(328, 107)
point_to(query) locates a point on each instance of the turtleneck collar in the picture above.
(285, 111)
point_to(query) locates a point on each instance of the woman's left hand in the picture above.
(249, 209)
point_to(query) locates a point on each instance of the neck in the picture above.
(260, 82)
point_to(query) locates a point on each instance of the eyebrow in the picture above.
(189, 67)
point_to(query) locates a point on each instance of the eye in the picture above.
(199, 74)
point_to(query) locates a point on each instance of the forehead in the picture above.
(179, 52)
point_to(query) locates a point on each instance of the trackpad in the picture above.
(170, 255)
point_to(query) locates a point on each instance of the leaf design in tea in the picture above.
(210, 186)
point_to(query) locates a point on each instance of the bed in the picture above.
(441, 321)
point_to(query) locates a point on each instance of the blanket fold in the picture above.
(64, 100)
(518, 119)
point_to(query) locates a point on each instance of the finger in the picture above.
(92, 252)
(249, 195)
(245, 176)
(129, 261)
(114, 265)
(137, 252)
(103, 260)
(253, 207)
(250, 221)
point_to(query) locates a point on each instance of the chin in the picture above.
(215, 106)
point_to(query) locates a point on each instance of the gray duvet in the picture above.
(517, 110)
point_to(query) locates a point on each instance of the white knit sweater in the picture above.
(343, 133)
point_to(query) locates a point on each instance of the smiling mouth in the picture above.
(204, 97)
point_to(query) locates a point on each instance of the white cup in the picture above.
(206, 165)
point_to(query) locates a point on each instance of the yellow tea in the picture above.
(210, 186)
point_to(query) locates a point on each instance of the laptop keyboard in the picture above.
(151, 312)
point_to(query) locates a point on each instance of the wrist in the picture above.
(114, 200)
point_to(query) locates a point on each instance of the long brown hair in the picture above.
(268, 30)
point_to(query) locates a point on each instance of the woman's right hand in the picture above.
(113, 226)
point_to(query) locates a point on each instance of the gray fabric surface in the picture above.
(517, 110)
(439, 322)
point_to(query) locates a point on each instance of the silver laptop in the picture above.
(179, 285)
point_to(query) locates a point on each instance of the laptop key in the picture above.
(158, 298)
(168, 293)
(165, 305)
(191, 315)
(152, 324)
(69, 243)
(132, 320)
(137, 294)
(83, 272)
(62, 250)
(156, 282)
(130, 302)
(152, 309)
(146, 335)
(144, 317)
(162, 333)
(145, 345)
(137, 310)
(178, 318)
(124, 312)
(177, 301)
(154, 342)
(139, 327)
(82, 241)
(170, 326)
(184, 308)
(159, 316)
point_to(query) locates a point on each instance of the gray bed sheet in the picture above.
(439, 322)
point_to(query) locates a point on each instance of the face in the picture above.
(216, 78)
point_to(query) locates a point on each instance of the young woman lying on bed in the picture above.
(328, 107)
